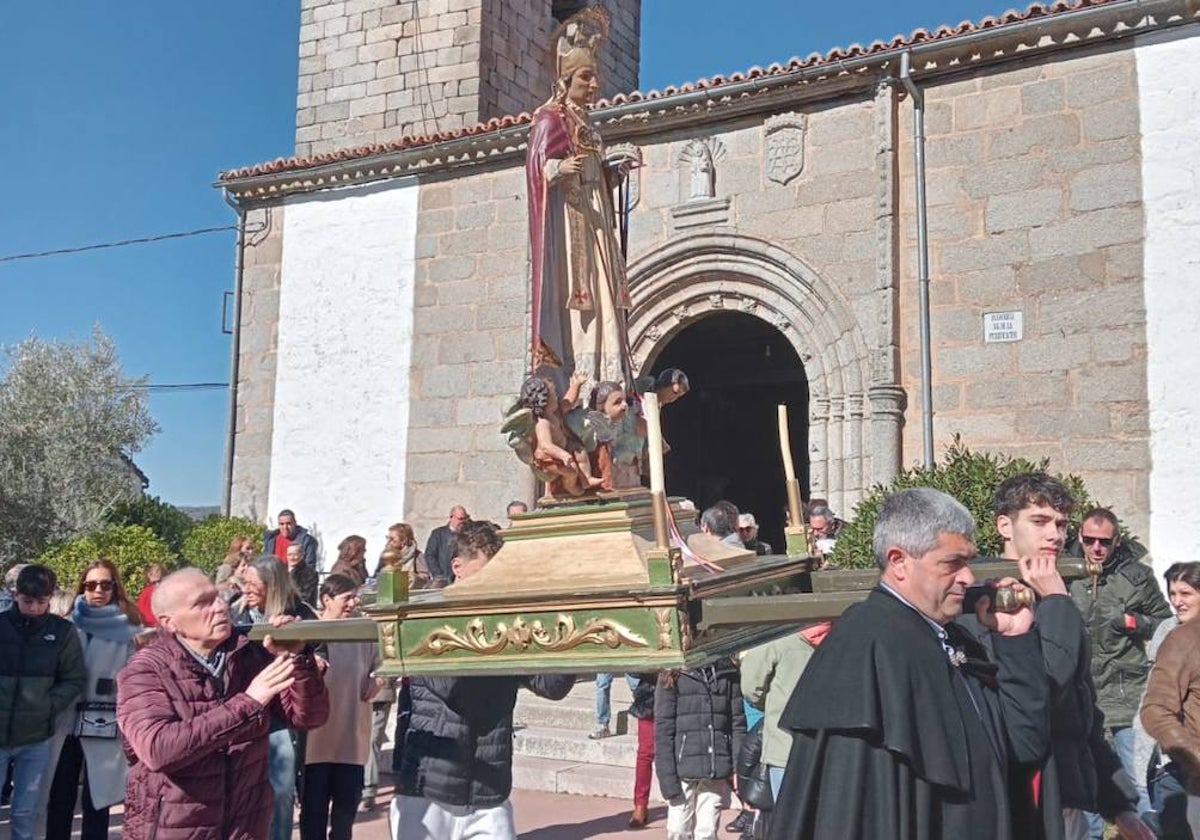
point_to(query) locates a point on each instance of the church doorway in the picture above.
(724, 435)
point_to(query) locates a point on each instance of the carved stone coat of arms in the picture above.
(785, 146)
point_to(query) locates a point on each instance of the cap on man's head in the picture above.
(746, 520)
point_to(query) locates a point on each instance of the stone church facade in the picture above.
(384, 288)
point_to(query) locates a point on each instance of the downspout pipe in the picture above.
(918, 100)
(234, 351)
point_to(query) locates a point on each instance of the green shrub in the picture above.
(168, 522)
(132, 548)
(970, 477)
(208, 541)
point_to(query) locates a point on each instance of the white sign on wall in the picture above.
(1003, 326)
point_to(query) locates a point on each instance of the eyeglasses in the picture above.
(1104, 541)
(102, 585)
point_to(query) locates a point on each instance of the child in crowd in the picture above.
(699, 724)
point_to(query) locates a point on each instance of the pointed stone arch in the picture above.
(695, 276)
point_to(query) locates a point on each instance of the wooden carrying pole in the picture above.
(795, 510)
(654, 448)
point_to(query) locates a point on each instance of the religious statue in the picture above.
(580, 293)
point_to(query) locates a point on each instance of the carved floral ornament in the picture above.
(785, 146)
(522, 635)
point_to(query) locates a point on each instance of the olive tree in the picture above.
(70, 420)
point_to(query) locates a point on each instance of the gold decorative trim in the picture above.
(685, 631)
(664, 628)
(522, 635)
(388, 631)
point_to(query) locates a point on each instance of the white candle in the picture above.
(785, 443)
(654, 442)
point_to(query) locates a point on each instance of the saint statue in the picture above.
(580, 294)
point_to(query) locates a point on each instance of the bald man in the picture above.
(195, 708)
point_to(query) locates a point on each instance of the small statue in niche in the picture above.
(702, 172)
(538, 431)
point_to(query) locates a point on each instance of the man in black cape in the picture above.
(903, 728)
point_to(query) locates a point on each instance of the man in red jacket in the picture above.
(195, 709)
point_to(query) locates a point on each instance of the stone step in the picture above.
(576, 710)
(557, 776)
(567, 716)
(574, 745)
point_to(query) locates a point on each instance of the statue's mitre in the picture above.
(578, 41)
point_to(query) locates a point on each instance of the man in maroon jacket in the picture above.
(195, 708)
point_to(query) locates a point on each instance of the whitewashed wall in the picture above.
(1168, 72)
(345, 349)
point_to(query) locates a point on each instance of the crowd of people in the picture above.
(909, 716)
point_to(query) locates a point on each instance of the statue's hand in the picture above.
(571, 166)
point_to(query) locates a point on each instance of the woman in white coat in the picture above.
(108, 623)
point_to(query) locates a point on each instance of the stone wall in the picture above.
(258, 344)
(1034, 194)
(802, 251)
(469, 333)
(373, 71)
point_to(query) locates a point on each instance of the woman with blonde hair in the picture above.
(108, 623)
(403, 554)
(267, 592)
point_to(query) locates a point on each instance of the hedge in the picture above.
(970, 477)
(132, 548)
(206, 544)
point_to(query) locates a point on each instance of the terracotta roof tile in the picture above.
(899, 41)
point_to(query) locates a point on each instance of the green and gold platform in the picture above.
(585, 589)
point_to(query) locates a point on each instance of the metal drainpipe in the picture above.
(235, 349)
(918, 100)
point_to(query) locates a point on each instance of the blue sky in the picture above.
(120, 115)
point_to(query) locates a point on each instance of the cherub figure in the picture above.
(606, 421)
(555, 452)
(629, 441)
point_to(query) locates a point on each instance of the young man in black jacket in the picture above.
(455, 765)
(41, 673)
(1084, 773)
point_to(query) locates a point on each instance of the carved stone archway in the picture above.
(693, 276)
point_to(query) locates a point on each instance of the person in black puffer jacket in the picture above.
(42, 673)
(456, 749)
(699, 725)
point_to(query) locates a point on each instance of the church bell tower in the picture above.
(373, 71)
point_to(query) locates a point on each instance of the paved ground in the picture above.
(540, 816)
(551, 816)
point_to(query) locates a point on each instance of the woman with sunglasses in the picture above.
(268, 591)
(109, 624)
(337, 752)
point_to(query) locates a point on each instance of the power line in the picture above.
(181, 386)
(117, 244)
